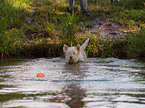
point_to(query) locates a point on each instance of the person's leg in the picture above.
(83, 5)
(72, 4)
(116, 2)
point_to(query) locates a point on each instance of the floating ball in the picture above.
(40, 75)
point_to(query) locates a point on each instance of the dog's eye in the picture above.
(74, 53)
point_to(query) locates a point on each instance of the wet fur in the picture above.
(75, 54)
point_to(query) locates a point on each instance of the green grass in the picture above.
(97, 47)
(136, 46)
(13, 12)
(52, 26)
(69, 30)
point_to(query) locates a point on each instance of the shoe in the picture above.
(87, 13)
(72, 12)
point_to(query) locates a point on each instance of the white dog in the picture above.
(74, 54)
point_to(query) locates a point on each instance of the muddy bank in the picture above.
(115, 34)
(104, 27)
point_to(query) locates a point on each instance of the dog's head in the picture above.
(72, 54)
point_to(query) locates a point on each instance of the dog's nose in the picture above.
(70, 57)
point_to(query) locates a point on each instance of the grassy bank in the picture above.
(24, 33)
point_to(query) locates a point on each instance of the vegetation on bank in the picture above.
(24, 33)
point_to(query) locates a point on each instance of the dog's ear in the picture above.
(84, 45)
(78, 47)
(65, 47)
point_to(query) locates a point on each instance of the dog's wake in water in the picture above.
(75, 54)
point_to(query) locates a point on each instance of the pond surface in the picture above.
(97, 83)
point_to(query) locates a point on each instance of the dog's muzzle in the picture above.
(71, 60)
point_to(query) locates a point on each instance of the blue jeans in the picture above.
(83, 5)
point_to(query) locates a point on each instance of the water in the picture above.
(97, 83)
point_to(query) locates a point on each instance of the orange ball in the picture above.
(40, 75)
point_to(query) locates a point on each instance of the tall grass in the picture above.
(136, 46)
(13, 12)
(69, 29)
(132, 4)
(11, 42)
(12, 15)
(98, 45)
(52, 26)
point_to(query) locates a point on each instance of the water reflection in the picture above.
(76, 95)
(73, 89)
(77, 71)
